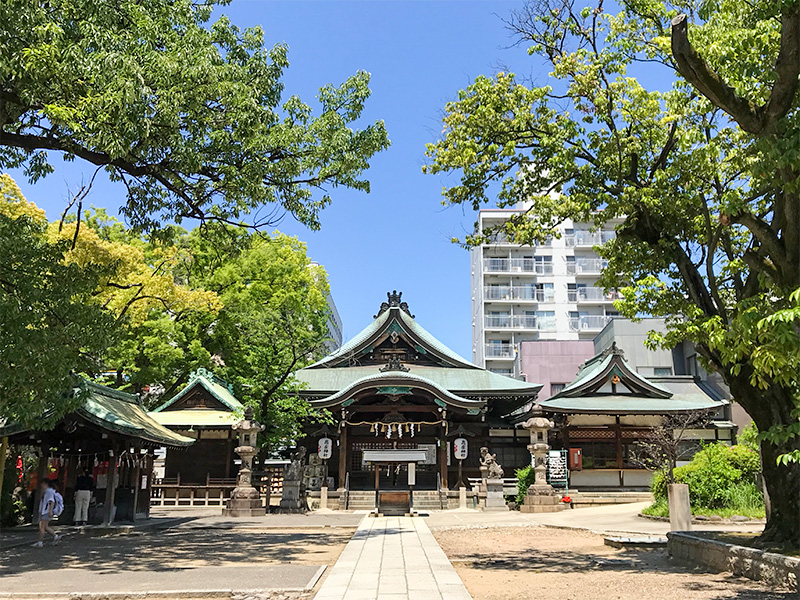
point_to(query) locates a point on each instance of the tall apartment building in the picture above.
(335, 333)
(542, 292)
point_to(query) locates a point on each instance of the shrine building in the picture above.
(400, 397)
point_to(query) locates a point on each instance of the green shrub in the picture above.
(709, 476)
(746, 460)
(720, 478)
(658, 486)
(748, 437)
(524, 480)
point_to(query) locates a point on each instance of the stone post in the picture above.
(245, 501)
(680, 511)
(541, 497)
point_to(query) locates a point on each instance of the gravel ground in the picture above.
(552, 564)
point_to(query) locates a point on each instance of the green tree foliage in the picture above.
(189, 114)
(273, 319)
(50, 323)
(702, 179)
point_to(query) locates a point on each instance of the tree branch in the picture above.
(753, 119)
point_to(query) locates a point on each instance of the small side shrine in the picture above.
(113, 437)
(608, 408)
(205, 410)
(399, 398)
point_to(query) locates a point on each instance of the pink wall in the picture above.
(549, 362)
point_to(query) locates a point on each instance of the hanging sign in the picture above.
(325, 448)
(460, 448)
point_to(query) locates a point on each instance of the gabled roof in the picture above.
(432, 366)
(118, 412)
(605, 384)
(397, 380)
(218, 388)
(393, 316)
(122, 413)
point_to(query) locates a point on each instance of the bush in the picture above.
(748, 437)
(524, 481)
(746, 460)
(658, 486)
(710, 475)
(719, 477)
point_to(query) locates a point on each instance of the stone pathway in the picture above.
(393, 558)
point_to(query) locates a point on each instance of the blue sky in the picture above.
(420, 53)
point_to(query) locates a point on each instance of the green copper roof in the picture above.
(122, 413)
(630, 405)
(117, 412)
(396, 382)
(218, 388)
(394, 317)
(605, 384)
(470, 382)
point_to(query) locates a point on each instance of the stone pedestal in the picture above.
(495, 501)
(291, 499)
(680, 511)
(245, 500)
(540, 499)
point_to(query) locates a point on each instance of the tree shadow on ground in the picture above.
(173, 550)
(655, 561)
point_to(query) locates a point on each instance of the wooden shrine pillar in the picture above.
(442, 452)
(111, 487)
(137, 476)
(342, 457)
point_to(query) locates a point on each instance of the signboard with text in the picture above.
(460, 448)
(325, 448)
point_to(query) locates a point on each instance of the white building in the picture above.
(335, 335)
(542, 292)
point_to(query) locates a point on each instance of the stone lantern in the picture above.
(245, 501)
(541, 497)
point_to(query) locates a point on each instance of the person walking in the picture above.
(84, 486)
(47, 507)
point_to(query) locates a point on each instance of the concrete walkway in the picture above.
(619, 518)
(393, 558)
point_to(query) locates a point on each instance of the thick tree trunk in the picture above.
(769, 408)
(783, 487)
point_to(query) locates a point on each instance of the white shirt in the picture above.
(48, 497)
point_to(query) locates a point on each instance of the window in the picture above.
(546, 319)
(662, 371)
(598, 455)
(555, 388)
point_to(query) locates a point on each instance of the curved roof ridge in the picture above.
(380, 324)
(402, 376)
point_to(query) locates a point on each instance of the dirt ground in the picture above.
(552, 564)
(174, 549)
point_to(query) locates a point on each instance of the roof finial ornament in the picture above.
(395, 300)
(613, 350)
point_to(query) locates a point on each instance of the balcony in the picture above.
(517, 292)
(586, 266)
(588, 239)
(517, 265)
(499, 351)
(519, 322)
(589, 322)
(591, 295)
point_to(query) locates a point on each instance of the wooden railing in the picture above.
(173, 492)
